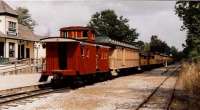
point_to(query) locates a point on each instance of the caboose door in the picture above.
(62, 55)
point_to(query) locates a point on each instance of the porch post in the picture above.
(16, 50)
(7, 49)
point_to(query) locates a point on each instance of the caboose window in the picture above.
(82, 51)
(88, 53)
(73, 34)
(85, 34)
(76, 34)
(65, 35)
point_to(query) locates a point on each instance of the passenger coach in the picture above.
(121, 56)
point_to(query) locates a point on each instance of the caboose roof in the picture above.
(76, 28)
(57, 39)
(108, 41)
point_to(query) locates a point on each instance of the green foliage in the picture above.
(143, 46)
(146, 47)
(189, 12)
(157, 45)
(140, 45)
(174, 51)
(107, 23)
(24, 18)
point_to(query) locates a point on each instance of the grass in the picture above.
(190, 78)
(187, 94)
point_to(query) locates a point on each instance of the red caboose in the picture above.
(74, 53)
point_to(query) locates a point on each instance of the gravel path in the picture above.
(124, 93)
(19, 80)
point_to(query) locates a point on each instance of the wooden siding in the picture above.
(123, 58)
(102, 59)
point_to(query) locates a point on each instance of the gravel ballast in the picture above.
(123, 93)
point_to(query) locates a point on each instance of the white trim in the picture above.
(58, 40)
(103, 46)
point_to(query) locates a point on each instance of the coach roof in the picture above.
(108, 41)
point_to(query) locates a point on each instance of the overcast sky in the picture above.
(148, 17)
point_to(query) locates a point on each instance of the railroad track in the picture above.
(149, 97)
(13, 97)
(10, 99)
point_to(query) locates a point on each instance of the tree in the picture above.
(140, 44)
(107, 23)
(24, 18)
(146, 47)
(174, 51)
(157, 45)
(188, 11)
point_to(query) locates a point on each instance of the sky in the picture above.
(148, 17)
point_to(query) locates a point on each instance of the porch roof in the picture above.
(24, 33)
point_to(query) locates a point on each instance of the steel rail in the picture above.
(27, 94)
(147, 99)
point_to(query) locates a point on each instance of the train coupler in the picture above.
(43, 78)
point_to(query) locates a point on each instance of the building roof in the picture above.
(108, 41)
(24, 33)
(27, 34)
(6, 9)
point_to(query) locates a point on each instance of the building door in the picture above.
(1, 49)
(27, 53)
(19, 56)
(62, 56)
(22, 51)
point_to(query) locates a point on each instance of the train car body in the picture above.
(167, 59)
(151, 60)
(144, 59)
(77, 52)
(67, 56)
(121, 55)
(121, 58)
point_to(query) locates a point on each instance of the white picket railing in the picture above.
(21, 66)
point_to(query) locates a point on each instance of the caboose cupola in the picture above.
(78, 32)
